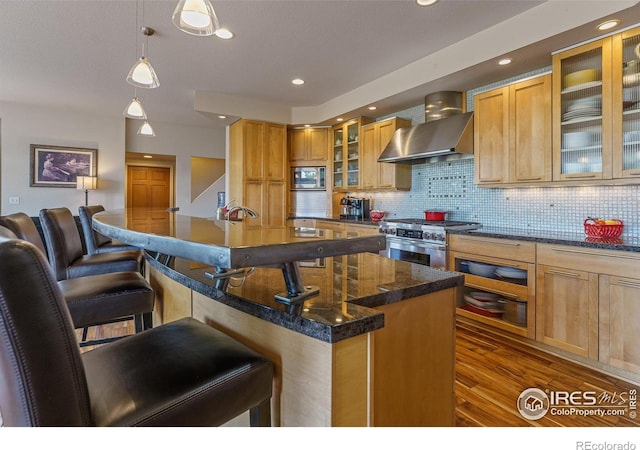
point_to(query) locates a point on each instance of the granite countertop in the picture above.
(337, 219)
(627, 244)
(337, 313)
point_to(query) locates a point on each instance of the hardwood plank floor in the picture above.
(492, 371)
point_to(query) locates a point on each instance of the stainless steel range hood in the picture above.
(446, 134)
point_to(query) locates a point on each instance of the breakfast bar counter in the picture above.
(373, 347)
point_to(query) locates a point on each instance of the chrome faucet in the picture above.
(236, 209)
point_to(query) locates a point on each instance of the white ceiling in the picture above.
(76, 54)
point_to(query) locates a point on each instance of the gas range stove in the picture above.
(423, 230)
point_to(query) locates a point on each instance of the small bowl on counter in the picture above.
(376, 215)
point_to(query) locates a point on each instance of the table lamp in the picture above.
(86, 184)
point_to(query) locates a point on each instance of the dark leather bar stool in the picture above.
(94, 299)
(183, 373)
(64, 247)
(94, 241)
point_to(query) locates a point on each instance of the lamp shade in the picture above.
(146, 129)
(134, 109)
(142, 75)
(196, 17)
(85, 183)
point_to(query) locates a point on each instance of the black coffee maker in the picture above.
(354, 208)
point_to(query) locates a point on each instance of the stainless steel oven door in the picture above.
(415, 251)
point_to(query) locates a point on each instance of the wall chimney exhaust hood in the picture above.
(447, 134)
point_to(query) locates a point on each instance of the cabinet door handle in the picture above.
(530, 179)
(634, 173)
(508, 244)
(580, 176)
(566, 274)
(490, 180)
(627, 283)
(563, 250)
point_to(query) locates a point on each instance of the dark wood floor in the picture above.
(492, 371)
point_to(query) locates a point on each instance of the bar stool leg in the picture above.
(260, 416)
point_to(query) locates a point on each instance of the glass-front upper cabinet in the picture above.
(626, 104)
(582, 108)
(353, 155)
(338, 157)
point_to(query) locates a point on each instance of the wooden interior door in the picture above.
(149, 187)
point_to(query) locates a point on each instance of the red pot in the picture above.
(435, 215)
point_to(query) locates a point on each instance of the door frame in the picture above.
(172, 193)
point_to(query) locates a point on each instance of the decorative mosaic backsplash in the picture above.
(448, 186)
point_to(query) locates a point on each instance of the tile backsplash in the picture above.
(449, 186)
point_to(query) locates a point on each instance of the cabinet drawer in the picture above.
(609, 262)
(503, 248)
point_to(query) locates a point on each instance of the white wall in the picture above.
(183, 142)
(23, 125)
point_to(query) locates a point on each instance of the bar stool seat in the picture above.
(94, 299)
(94, 241)
(183, 373)
(64, 247)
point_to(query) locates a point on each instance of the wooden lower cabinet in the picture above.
(567, 310)
(619, 322)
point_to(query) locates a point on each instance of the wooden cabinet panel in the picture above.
(502, 248)
(275, 151)
(297, 145)
(253, 150)
(567, 310)
(309, 144)
(530, 130)
(254, 199)
(491, 136)
(382, 176)
(275, 198)
(620, 322)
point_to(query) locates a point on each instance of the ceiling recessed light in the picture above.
(372, 108)
(339, 119)
(504, 61)
(222, 117)
(148, 156)
(307, 126)
(297, 81)
(426, 2)
(608, 24)
(223, 33)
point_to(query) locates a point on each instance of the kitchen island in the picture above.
(375, 346)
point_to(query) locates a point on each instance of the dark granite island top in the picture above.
(339, 311)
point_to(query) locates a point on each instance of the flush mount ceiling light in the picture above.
(196, 17)
(426, 2)
(134, 110)
(223, 33)
(504, 61)
(608, 24)
(297, 81)
(222, 117)
(142, 74)
(146, 129)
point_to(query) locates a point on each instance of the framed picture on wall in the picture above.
(53, 166)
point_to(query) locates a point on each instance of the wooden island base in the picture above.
(400, 375)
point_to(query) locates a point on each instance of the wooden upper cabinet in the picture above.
(275, 151)
(253, 141)
(491, 136)
(530, 130)
(382, 176)
(512, 133)
(345, 153)
(309, 144)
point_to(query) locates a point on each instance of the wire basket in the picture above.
(594, 229)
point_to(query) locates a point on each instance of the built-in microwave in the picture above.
(308, 178)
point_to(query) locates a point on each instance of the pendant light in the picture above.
(196, 17)
(142, 74)
(146, 129)
(134, 109)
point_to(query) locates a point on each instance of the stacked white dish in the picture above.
(483, 270)
(485, 303)
(510, 273)
(577, 139)
(583, 107)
